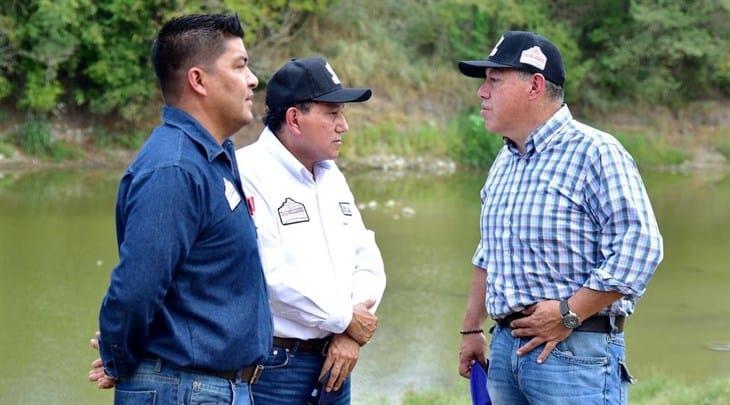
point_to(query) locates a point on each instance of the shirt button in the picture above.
(507, 233)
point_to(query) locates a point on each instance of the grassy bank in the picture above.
(464, 139)
(657, 390)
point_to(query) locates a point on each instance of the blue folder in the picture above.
(478, 384)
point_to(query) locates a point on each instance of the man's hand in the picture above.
(341, 358)
(97, 374)
(473, 348)
(544, 325)
(363, 323)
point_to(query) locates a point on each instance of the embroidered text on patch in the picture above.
(346, 208)
(292, 212)
(534, 57)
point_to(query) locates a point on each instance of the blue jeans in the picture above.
(289, 377)
(585, 368)
(157, 382)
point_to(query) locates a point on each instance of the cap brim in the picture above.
(478, 68)
(345, 95)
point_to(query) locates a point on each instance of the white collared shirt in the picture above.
(318, 257)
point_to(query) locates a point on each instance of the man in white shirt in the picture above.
(324, 272)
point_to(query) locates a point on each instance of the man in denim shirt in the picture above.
(186, 317)
(568, 244)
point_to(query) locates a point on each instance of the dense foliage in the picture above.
(654, 51)
(94, 55)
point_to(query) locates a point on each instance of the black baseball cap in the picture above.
(309, 79)
(520, 50)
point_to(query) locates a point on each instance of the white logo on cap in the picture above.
(496, 46)
(534, 57)
(335, 79)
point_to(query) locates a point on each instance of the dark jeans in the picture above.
(290, 376)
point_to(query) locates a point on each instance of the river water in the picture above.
(57, 248)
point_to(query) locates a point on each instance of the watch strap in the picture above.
(564, 308)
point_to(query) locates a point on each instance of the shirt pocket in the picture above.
(561, 199)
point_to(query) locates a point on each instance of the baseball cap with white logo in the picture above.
(309, 79)
(520, 50)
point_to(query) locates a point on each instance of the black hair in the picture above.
(187, 41)
(275, 117)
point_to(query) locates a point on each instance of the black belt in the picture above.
(596, 323)
(306, 346)
(249, 374)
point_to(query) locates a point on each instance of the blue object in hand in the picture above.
(478, 384)
(321, 397)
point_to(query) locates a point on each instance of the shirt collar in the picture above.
(539, 138)
(192, 128)
(289, 161)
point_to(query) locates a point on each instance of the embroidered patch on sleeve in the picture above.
(346, 208)
(292, 212)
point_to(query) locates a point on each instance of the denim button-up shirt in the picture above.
(189, 287)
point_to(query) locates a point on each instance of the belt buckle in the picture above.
(256, 374)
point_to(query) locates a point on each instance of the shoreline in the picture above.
(382, 163)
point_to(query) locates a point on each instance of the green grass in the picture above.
(6, 150)
(463, 138)
(656, 390)
(392, 139)
(723, 146)
(650, 151)
(132, 140)
(34, 138)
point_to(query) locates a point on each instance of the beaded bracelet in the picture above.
(471, 332)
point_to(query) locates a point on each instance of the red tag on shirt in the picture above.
(251, 205)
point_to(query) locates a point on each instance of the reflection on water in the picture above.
(57, 248)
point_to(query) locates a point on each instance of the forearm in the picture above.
(476, 312)
(586, 302)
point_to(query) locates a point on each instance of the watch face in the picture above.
(570, 321)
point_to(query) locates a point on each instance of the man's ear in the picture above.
(537, 85)
(196, 80)
(292, 117)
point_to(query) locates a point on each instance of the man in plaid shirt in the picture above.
(568, 243)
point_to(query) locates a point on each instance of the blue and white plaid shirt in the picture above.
(570, 212)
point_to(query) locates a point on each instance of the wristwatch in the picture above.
(570, 319)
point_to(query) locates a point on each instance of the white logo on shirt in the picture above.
(292, 212)
(335, 79)
(231, 194)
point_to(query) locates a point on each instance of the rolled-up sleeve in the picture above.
(630, 242)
